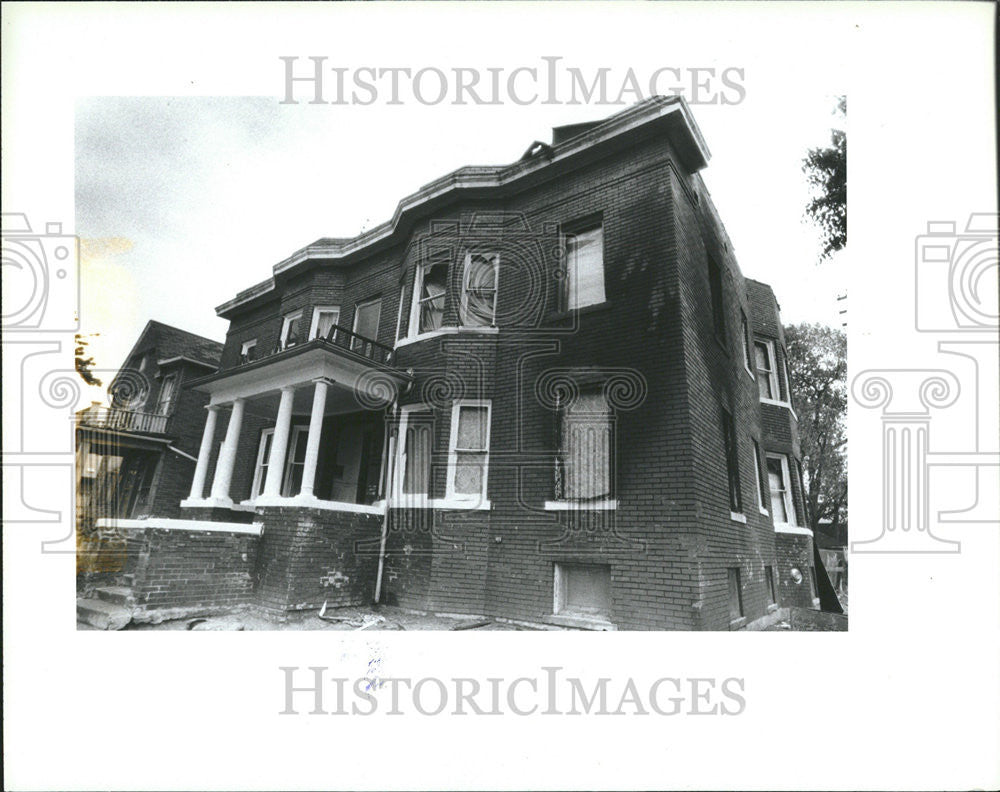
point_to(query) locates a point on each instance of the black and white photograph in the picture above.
(348, 335)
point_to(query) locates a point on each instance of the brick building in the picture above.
(541, 391)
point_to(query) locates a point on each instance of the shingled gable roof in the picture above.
(667, 113)
(172, 342)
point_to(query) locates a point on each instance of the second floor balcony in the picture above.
(123, 420)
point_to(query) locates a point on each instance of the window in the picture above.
(767, 376)
(802, 493)
(584, 282)
(469, 449)
(291, 330)
(295, 463)
(787, 395)
(814, 582)
(167, 390)
(479, 290)
(718, 308)
(747, 354)
(414, 454)
(399, 313)
(769, 583)
(762, 485)
(366, 316)
(248, 351)
(263, 457)
(429, 288)
(584, 471)
(582, 590)
(781, 495)
(735, 594)
(325, 319)
(732, 461)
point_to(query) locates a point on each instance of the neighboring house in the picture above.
(541, 391)
(137, 456)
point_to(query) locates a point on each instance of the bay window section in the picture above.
(325, 319)
(479, 290)
(468, 457)
(767, 375)
(781, 493)
(429, 289)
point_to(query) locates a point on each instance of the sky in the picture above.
(183, 201)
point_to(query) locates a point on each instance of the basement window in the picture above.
(769, 583)
(582, 590)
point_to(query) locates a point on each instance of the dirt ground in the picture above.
(355, 618)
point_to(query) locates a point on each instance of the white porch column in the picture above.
(279, 444)
(227, 458)
(204, 452)
(312, 444)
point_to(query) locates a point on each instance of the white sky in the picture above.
(181, 202)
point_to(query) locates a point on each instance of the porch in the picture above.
(310, 417)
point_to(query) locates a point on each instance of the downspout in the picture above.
(390, 470)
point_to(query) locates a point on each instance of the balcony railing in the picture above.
(339, 337)
(124, 420)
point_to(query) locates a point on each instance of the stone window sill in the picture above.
(563, 505)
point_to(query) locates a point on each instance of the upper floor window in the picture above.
(584, 281)
(747, 354)
(479, 290)
(732, 461)
(429, 288)
(168, 390)
(762, 486)
(584, 470)
(767, 375)
(366, 316)
(291, 330)
(248, 351)
(781, 492)
(787, 395)
(399, 313)
(718, 307)
(325, 319)
(469, 450)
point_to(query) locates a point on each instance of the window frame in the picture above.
(295, 433)
(417, 499)
(416, 301)
(732, 455)
(166, 407)
(748, 362)
(761, 468)
(570, 282)
(286, 325)
(733, 575)
(261, 466)
(717, 300)
(561, 500)
(355, 343)
(399, 313)
(454, 451)
(314, 325)
(245, 347)
(787, 499)
(464, 297)
(772, 590)
(561, 572)
(769, 374)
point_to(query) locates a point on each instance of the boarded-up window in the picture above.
(584, 284)
(583, 590)
(416, 454)
(586, 448)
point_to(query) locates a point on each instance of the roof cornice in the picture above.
(488, 178)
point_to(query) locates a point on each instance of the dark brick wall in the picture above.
(795, 552)
(190, 570)
(311, 556)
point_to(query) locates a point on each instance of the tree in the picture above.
(84, 365)
(826, 172)
(817, 357)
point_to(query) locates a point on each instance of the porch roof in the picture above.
(373, 381)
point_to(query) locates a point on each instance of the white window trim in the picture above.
(759, 475)
(450, 494)
(246, 346)
(606, 504)
(414, 499)
(159, 407)
(445, 331)
(413, 331)
(745, 341)
(317, 310)
(258, 471)
(739, 517)
(294, 435)
(575, 280)
(789, 500)
(464, 300)
(357, 313)
(399, 312)
(772, 374)
(286, 325)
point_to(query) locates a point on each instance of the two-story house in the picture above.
(541, 391)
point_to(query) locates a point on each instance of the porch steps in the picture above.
(111, 609)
